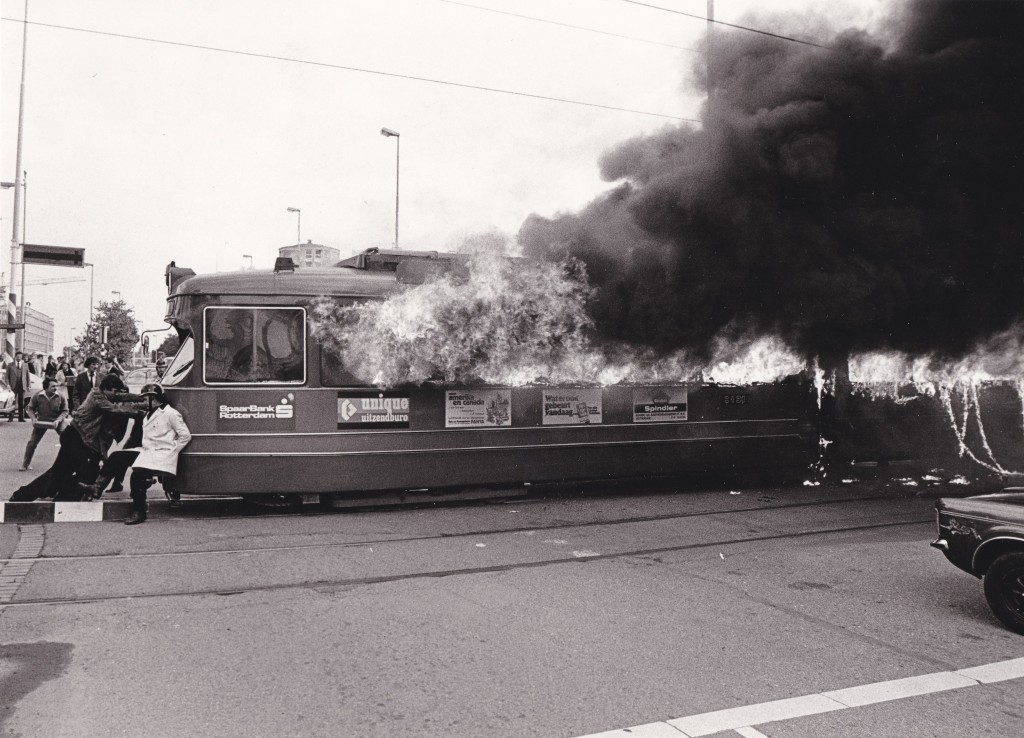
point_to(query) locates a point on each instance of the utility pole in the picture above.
(12, 308)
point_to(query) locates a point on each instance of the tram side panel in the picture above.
(316, 440)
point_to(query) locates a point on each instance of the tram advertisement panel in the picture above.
(371, 409)
(475, 408)
(256, 410)
(659, 405)
(571, 406)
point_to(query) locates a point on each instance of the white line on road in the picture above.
(741, 719)
(750, 733)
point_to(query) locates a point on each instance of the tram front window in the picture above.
(254, 345)
(180, 365)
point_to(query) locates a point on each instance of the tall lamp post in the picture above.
(298, 234)
(12, 317)
(91, 275)
(388, 133)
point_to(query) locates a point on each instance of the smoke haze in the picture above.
(868, 196)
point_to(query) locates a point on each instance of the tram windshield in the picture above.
(246, 345)
(181, 364)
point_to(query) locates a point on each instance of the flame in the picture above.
(904, 378)
(514, 322)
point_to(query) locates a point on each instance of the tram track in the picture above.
(337, 584)
(560, 525)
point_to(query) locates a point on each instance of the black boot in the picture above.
(136, 515)
(90, 491)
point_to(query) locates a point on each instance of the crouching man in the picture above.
(164, 434)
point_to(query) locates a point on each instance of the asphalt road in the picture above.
(558, 617)
(545, 617)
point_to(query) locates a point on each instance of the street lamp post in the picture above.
(9, 345)
(24, 220)
(91, 274)
(298, 234)
(388, 133)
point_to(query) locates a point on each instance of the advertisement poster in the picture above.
(372, 409)
(477, 408)
(659, 405)
(571, 406)
(253, 410)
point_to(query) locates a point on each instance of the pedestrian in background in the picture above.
(50, 370)
(65, 377)
(18, 381)
(46, 409)
(88, 378)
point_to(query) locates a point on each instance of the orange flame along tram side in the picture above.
(273, 412)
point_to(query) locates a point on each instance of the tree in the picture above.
(122, 333)
(170, 345)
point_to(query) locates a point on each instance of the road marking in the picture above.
(766, 712)
(997, 672)
(750, 733)
(742, 719)
(896, 689)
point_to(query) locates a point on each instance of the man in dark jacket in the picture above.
(18, 381)
(89, 377)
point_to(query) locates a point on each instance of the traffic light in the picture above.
(104, 334)
(145, 344)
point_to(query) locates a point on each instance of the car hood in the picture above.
(1007, 505)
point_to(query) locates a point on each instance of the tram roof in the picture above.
(303, 282)
(371, 273)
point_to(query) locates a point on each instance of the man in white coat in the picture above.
(164, 434)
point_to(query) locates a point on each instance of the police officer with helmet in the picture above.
(164, 434)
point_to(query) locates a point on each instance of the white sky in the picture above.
(144, 152)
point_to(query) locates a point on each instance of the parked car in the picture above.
(984, 536)
(136, 379)
(8, 402)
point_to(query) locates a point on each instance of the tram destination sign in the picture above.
(372, 409)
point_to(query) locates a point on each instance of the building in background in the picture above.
(311, 254)
(38, 334)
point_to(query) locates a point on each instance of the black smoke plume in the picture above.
(864, 196)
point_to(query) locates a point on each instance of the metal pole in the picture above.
(11, 307)
(91, 275)
(24, 222)
(298, 234)
(398, 158)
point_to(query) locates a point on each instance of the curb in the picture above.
(64, 512)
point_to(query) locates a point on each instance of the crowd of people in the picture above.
(103, 430)
(66, 375)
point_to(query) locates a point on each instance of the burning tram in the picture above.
(273, 412)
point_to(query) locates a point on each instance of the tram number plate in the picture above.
(735, 399)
